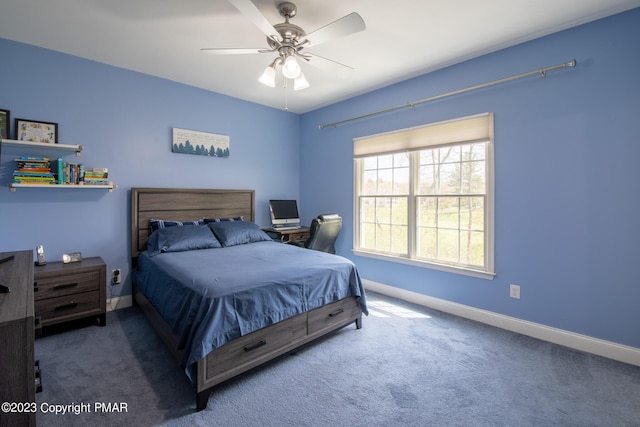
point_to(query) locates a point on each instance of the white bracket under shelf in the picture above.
(39, 145)
(14, 186)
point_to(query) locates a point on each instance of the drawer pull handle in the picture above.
(65, 286)
(66, 306)
(254, 346)
(337, 312)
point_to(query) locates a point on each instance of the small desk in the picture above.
(291, 235)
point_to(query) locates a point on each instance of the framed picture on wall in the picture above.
(5, 124)
(201, 143)
(31, 130)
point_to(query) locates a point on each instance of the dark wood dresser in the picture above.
(17, 371)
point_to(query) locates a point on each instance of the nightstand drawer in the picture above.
(68, 284)
(54, 310)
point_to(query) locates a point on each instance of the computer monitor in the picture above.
(284, 213)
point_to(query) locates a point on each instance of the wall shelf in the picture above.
(109, 186)
(40, 145)
(57, 147)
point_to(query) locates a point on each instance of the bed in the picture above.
(224, 297)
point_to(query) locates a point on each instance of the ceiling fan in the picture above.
(288, 41)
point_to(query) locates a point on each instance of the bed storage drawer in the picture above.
(332, 315)
(255, 348)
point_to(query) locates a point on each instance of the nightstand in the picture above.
(65, 292)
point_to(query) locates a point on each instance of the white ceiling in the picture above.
(403, 38)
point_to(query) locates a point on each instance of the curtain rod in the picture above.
(542, 72)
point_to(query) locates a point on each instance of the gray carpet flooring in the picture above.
(407, 366)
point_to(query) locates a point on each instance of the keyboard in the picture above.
(288, 227)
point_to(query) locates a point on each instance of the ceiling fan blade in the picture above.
(251, 11)
(329, 65)
(349, 24)
(231, 51)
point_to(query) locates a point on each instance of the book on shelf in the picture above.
(43, 170)
(67, 173)
(32, 159)
(33, 170)
(96, 176)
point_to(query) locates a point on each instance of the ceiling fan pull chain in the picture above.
(286, 94)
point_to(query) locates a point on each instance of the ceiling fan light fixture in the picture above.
(300, 82)
(291, 68)
(268, 77)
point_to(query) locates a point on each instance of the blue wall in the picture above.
(566, 150)
(124, 120)
(567, 175)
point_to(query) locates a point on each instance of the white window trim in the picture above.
(425, 264)
(488, 274)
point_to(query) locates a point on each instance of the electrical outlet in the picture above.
(514, 291)
(116, 277)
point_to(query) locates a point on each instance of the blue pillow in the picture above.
(179, 239)
(232, 233)
(208, 220)
(157, 224)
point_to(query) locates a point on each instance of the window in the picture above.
(425, 195)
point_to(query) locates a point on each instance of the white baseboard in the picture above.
(585, 343)
(116, 303)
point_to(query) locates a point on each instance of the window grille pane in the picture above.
(368, 235)
(429, 157)
(385, 181)
(428, 180)
(368, 209)
(472, 213)
(448, 212)
(401, 160)
(449, 178)
(401, 180)
(450, 154)
(383, 210)
(370, 163)
(427, 243)
(427, 211)
(383, 237)
(399, 210)
(473, 177)
(474, 152)
(385, 161)
(370, 182)
(448, 245)
(399, 239)
(472, 248)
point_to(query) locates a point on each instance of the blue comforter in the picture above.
(212, 296)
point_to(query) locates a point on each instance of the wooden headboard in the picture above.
(184, 204)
